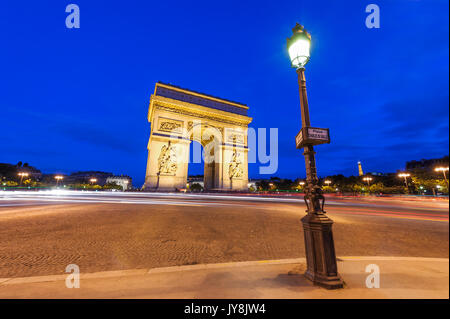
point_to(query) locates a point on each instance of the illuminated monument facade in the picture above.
(178, 117)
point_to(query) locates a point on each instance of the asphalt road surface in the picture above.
(43, 232)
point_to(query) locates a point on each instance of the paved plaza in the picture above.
(42, 234)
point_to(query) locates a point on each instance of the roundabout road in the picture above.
(41, 233)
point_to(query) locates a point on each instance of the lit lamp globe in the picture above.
(299, 46)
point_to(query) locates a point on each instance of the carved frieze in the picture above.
(197, 115)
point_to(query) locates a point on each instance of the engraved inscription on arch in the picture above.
(170, 125)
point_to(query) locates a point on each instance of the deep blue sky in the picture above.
(77, 99)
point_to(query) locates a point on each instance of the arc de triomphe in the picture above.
(178, 117)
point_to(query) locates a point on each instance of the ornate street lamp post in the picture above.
(319, 243)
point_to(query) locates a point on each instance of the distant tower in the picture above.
(360, 171)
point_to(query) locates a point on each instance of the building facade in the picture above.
(124, 181)
(428, 164)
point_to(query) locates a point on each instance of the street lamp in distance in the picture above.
(302, 185)
(405, 176)
(93, 180)
(367, 179)
(22, 175)
(58, 178)
(443, 170)
(317, 226)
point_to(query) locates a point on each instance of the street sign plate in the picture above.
(318, 133)
(299, 138)
(312, 136)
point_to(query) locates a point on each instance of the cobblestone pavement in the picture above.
(42, 240)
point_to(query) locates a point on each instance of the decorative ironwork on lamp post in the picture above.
(317, 226)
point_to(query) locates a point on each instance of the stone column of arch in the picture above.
(167, 164)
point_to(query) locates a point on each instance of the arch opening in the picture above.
(204, 156)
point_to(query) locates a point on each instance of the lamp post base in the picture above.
(320, 253)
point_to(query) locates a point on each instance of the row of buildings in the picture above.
(10, 172)
(428, 164)
(93, 177)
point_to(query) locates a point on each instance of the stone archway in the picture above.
(178, 117)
